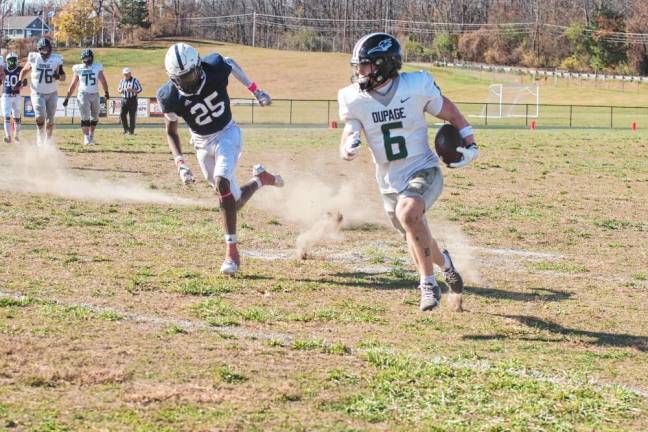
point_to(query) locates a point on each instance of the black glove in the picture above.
(65, 102)
(56, 76)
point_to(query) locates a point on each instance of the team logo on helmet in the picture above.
(383, 46)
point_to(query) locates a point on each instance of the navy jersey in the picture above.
(208, 111)
(10, 81)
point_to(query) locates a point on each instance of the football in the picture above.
(446, 142)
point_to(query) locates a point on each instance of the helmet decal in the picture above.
(178, 57)
(383, 46)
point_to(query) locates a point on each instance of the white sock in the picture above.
(7, 129)
(429, 280)
(446, 263)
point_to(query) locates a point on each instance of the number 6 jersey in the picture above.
(395, 126)
(88, 77)
(42, 72)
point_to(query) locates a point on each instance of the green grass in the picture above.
(456, 395)
(551, 335)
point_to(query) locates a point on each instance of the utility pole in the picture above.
(344, 25)
(253, 28)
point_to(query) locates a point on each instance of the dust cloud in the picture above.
(43, 170)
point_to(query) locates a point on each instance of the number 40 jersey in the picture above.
(88, 77)
(42, 71)
(395, 125)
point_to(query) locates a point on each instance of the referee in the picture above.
(129, 87)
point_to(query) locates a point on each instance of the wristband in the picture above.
(230, 238)
(253, 87)
(466, 131)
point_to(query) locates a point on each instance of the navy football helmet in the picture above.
(383, 51)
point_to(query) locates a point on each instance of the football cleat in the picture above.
(452, 276)
(229, 267)
(7, 140)
(266, 178)
(17, 138)
(430, 296)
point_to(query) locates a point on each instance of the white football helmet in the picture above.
(12, 61)
(182, 64)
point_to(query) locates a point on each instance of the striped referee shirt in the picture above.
(129, 87)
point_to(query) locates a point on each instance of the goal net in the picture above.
(512, 100)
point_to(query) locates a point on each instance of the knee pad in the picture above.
(94, 122)
(40, 121)
(85, 123)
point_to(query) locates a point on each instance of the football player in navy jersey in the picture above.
(11, 96)
(197, 92)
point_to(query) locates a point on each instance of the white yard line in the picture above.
(190, 325)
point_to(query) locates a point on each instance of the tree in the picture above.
(78, 22)
(134, 13)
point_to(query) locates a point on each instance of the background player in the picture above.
(11, 99)
(85, 76)
(197, 92)
(390, 108)
(46, 69)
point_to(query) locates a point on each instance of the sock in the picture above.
(257, 180)
(446, 263)
(16, 127)
(7, 128)
(428, 280)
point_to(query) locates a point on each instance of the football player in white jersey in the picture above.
(389, 107)
(46, 70)
(85, 76)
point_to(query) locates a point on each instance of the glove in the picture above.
(65, 102)
(56, 76)
(351, 146)
(263, 97)
(469, 153)
(107, 96)
(186, 176)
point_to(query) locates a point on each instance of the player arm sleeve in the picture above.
(433, 95)
(238, 72)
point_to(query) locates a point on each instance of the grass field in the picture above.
(313, 75)
(113, 315)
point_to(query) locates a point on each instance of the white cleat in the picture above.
(229, 267)
(266, 178)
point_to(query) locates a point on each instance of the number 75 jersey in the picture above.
(395, 126)
(87, 77)
(42, 72)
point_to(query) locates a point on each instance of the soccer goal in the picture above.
(512, 100)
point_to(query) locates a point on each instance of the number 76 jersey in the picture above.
(42, 72)
(395, 126)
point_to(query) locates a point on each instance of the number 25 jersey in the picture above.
(208, 111)
(88, 77)
(395, 126)
(42, 71)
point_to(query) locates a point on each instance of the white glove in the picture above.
(186, 176)
(263, 97)
(351, 146)
(469, 153)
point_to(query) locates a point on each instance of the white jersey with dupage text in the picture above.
(395, 129)
(88, 77)
(42, 71)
